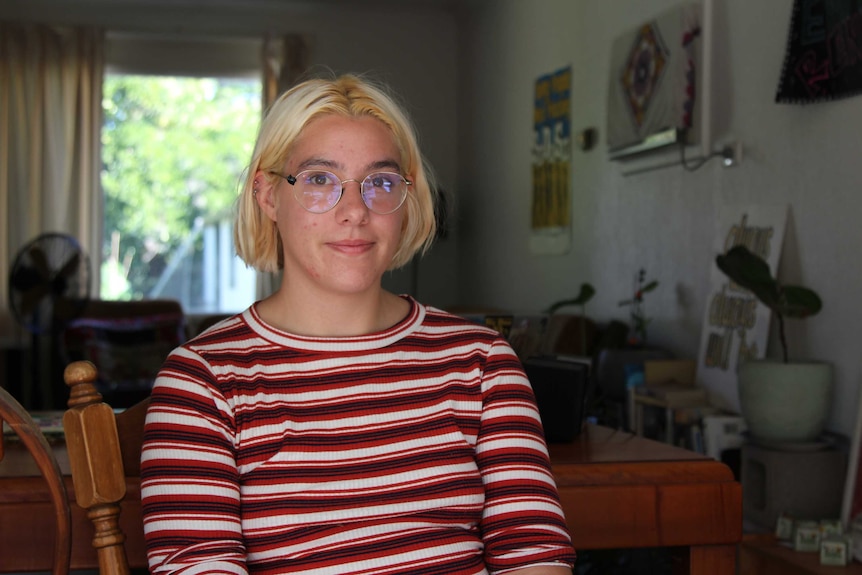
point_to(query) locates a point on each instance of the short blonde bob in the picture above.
(256, 238)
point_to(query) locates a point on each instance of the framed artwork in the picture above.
(659, 89)
(551, 191)
(736, 324)
(821, 61)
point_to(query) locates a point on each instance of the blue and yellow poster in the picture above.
(551, 193)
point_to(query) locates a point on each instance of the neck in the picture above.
(326, 315)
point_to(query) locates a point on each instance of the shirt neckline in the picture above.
(408, 325)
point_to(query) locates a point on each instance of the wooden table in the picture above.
(618, 491)
(27, 517)
(622, 491)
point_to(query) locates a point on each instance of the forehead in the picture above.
(334, 134)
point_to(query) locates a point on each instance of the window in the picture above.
(176, 138)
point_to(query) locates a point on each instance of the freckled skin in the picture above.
(352, 147)
(335, 260)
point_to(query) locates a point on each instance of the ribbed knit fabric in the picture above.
(414, 450)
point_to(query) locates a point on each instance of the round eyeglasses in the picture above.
(318, 191)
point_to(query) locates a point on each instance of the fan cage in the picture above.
(49, 283)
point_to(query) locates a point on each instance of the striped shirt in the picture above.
(413, 450)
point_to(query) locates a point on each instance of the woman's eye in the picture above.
(318, 179)
(381, 182)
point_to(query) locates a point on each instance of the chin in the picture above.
(356, 286)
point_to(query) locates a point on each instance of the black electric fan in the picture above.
(49, 286)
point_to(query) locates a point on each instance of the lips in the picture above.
(352, 246)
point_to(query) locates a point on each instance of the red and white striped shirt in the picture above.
(413, 450)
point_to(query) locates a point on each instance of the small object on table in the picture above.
(784, 527)
(836, 550)
(806, 536)
(830, 527)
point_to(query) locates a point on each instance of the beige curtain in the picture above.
(50, 121)
(285, 60)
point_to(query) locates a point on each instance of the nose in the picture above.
(352, 206)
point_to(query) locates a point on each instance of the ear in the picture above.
(265, 195)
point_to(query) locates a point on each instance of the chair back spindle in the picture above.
(97, 464)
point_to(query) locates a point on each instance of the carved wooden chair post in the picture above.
(97, 465)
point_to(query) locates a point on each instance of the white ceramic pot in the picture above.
(787, 402)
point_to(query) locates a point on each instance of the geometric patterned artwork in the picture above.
(655, 68)
(644, 70)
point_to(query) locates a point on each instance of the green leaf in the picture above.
(799, 302)
(750, 272)
(586, 294)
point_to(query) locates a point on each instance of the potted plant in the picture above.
(636, 308)
(780, 400)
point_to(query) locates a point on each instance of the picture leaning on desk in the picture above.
(334, 427)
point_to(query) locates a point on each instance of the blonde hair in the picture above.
(257, 239)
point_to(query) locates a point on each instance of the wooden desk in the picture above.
(618, 491)
(27, 517)
(621, 491)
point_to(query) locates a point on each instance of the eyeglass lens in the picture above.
(319, 191)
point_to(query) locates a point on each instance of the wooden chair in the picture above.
(20, 421)
(103, 448)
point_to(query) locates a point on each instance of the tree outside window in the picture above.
(174, 151)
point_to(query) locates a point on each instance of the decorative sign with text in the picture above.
(823, 59)
(552, 150)
(736, 324)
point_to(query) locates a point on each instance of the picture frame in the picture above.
(659, 147)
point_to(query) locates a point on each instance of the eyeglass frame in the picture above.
(291, 179)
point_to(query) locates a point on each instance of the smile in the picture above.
(352, 246)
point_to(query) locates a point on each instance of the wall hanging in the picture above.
(657, 84)
(823, 58)
(552, 151)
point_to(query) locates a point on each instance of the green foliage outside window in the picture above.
(173, 153)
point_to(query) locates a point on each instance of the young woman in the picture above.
(334, 427)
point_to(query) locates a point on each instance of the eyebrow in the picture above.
(387, 164)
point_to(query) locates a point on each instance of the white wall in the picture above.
(806, 157)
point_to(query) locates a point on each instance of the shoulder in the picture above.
(468, 334)
(487, 326)
(467, 321)
(226, 341)
(224, 328)
(439, 319)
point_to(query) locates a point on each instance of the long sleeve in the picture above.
(522, 516)
(189, 477)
